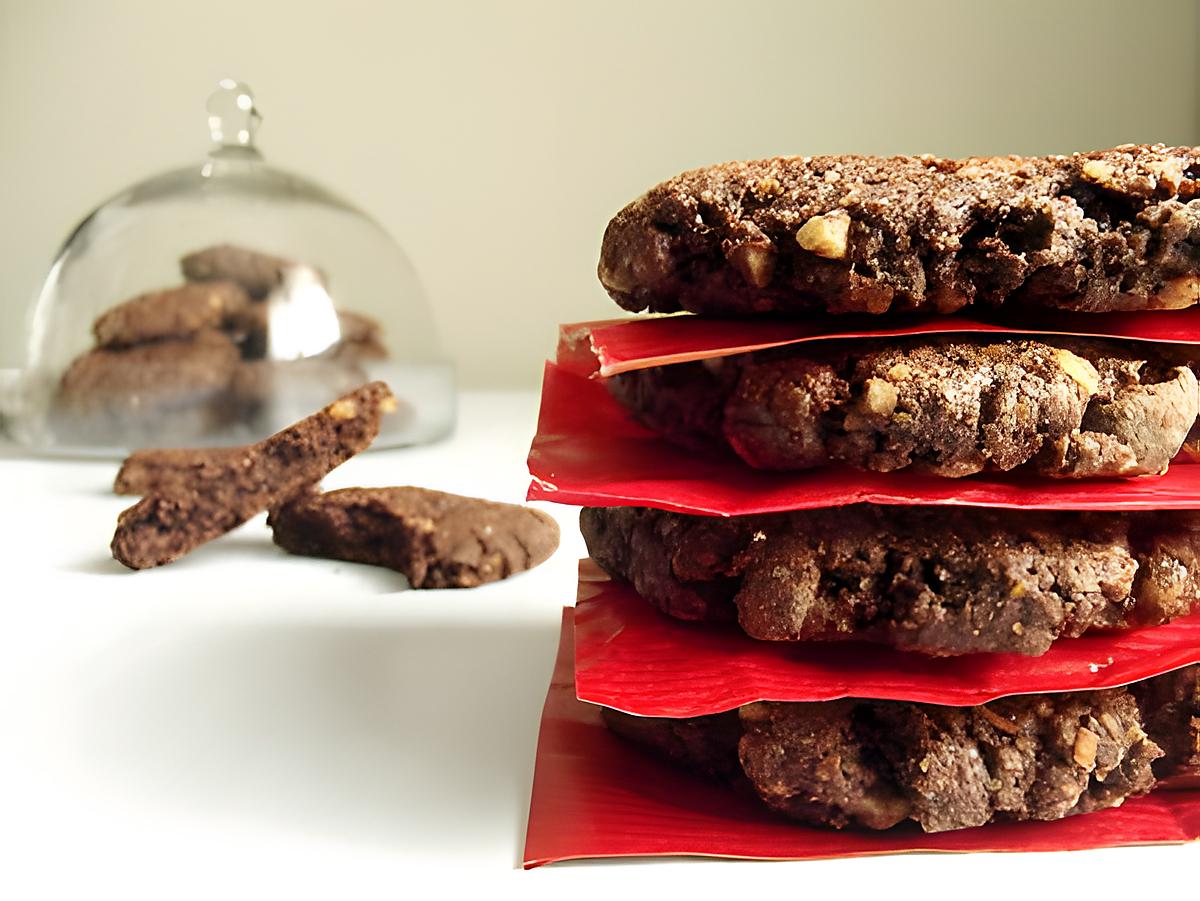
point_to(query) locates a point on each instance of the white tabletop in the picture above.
(244, 721)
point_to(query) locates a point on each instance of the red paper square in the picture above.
(589, 451)
(633, 658)
(620, 345)
(595, 796)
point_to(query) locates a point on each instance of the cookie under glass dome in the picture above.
(216, 304)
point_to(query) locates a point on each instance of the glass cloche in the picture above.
(216, 304)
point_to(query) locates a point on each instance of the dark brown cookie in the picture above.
(258, 273)
(1067, 407)
(874, 764)
(1020, 758)
(231, 488)
(437, 540)
(1108, 230)
(940, 580)
(174, 313)
(172, 389)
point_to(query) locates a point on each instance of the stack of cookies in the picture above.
(962, 300)
(193, 362)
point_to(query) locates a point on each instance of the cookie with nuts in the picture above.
(937, 580)
(950, 406)
(876, 764)
(1100, 231)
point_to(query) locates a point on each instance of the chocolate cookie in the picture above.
(951, 406)
(174, 313)
(875, 764)
(231, 488)
(437, 540)
(170, 389)
(258, 273)
(1108, 230)
(940, 580)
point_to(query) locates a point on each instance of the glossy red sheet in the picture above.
(587, 451)
(633, 658)
(619, 345)
(595, 796)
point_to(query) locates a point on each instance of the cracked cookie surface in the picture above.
(869, 764)
(1066, 407)
(1107, 230)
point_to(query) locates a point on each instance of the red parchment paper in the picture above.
(610, 346)
(595, 796)
(633, 658)
(588, 451)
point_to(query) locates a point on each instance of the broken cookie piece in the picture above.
(1066, 407)
(437, 540)
(859, 763)
(232, 487)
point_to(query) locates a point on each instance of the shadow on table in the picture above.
(413, 736)
(249, 544)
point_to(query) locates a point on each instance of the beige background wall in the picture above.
(495, 140)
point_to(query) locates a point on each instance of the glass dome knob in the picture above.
(232, 116)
